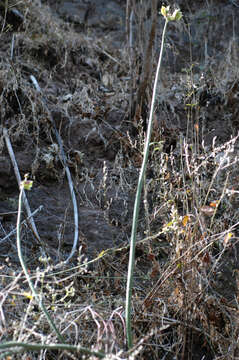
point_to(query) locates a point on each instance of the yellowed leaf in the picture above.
(101, 254)
(185, 220)
(227, 238)
(28, 295)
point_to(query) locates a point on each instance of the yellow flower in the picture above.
(175, 16)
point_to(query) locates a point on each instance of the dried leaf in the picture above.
(207, 210)
(206, 259)
(155, 270)
(151, 256)
(214, 204)
(117, 279)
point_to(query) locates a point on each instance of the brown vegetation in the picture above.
(96, 87)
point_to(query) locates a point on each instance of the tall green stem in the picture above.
(138, 198)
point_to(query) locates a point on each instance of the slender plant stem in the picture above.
(138, 198)
(18, 177)
(19, 249)
(68, 173)
(39, 347)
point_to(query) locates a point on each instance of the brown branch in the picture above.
(148, 60)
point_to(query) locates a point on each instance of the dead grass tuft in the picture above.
(185, 295)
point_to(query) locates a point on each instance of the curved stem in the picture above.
(19, 249)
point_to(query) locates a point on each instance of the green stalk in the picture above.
(138, 197)
(19, 249)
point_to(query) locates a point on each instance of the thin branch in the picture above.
(23, 222)
(38, 347)
(18, 177)
(148, 58)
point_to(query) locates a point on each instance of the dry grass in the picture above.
(185, 297)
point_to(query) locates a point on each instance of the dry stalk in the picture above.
(18, 177)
